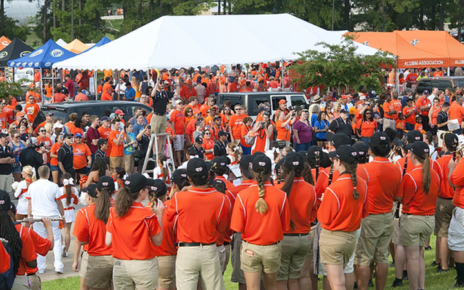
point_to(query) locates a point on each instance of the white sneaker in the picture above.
(41, 271)
(65, 253)
(59, 271)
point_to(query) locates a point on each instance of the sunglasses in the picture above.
(17, 136)
(226, 109)
(207, 133)
(42, 131)
(77, 137)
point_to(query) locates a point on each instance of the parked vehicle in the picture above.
(440, 82)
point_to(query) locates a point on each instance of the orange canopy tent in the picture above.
(409, 55)
(4, 42)
(76, 46)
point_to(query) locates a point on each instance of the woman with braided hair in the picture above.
(261, 213)
(296, 244)
(419, 198)
(344, 204)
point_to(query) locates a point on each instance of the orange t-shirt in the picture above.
(261, 229)
(208, 144)
(435, 112)
(42, 247)
(106, 96)
(323, 178)
(116, 150)
(54, 150)
(245, 131)
(167, 247)
(401, 124)
(419, 127)
(31, 111)
(421, 102)
(339, 211)
(234, 87)
(3, 120)
(131, 234)
(198, 224)
(415, 201)
(367, 128)
(457, 178)
(89, 229)
(28, 252)
(235, 123)
(283, 133)
(48, 144)
(441, 167)
(302, 203)
(105, 134)
(81, 152)
(9, 112)
(456, 111)
(381, 188)
(178, 119)
(5, 257)
(412, 118)
(107, 86)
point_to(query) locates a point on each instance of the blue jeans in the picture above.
(409, 126)
(302, 147)
(365, 140)
(246, 150)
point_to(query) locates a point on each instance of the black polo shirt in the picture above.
(340, 126)
(160, 102)
(219, 149)
(200, 152)
(442, 117)
(30, 156)
(6, 151)
(66, 157)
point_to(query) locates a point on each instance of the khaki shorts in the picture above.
(178, 143)
(443, 213)
(237, 272)
(312, 236)
(226, 261)
(295, 249)
(257, 258)
(167, 271)
(389, 123)
(36, 282)
(84, 264)
(456, 231)
(21, 283)
(5, 182)
(131, 274)
(117, 161)
(99, 272)
(415, 230)
(158, 124)
(222, 256)
(396, 231)
(374, 242)
(129, 163)
(336, 247)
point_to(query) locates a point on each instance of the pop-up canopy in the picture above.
(102, 41)
(76, 46)
(43, 57)
(182, 41)
(4, 42)
(15, 49)
(61, 42)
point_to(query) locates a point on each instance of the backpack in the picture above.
(7, 278)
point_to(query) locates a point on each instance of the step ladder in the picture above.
(154, 142)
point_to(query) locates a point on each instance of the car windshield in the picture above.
(57, 114)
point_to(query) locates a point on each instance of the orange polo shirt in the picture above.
(28, 253)
(367, 127)
(131, 234)
(261, 229)
(339, 211)
(441, 167)
(323, 179)
(457, 178)
(198, 224)
(235, 123)
(412, 118)
(81, 152)
(42, 247)
(415, 201)
(423, 102)
(400, 163)
(456, 111)
(116, 150)
(5, 257)
(167, 247)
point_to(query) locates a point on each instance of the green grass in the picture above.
(433, 281)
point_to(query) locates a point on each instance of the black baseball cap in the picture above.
(262, 164)
(346, 154)
(68, 136)
(135, 182)
(105, 182)
(420, 148)
(246, 163)
(12, 207)
(361, 148)
(414, 136)
(220, 185)
(294, 161)
(3, 135)
(197, 169)
(199, 140)
(451, 140)
(313, 151)
(5, 201)
(100, 142)
(192, 151)
(222, 133)
(303, 154)
(343, 111)
(379, 140)
(91, 190)
(157, 186)
(398, 142)
(219, 162)
(178, 175)
(338, 139)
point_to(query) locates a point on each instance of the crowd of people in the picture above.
(332, 190)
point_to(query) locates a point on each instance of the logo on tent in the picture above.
(3, 54)
(24, 53)
(36, 64)
(5, 43)
(24, 63)
(48, 64)
(56, 53)
(29, 64)
(40, 51)
(414, 42)
(366, 43)
(12, 63)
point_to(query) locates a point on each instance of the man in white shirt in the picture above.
(433, 95)
(44, 201)
(121, 89)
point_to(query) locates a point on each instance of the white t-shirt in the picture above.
(21, 191)
(43, 195)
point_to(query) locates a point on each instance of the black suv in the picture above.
(63, 110)
(441, 83)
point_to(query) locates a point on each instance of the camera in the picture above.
(291, 108)
(263, 125)
(149, 127)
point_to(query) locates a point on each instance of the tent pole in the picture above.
(282, 74)
(40, 89)
(448, 71)
(397, 80)
(53, 83)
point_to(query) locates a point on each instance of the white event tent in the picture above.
(185, 41)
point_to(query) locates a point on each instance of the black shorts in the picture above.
(82, 170)
(434, 130)
(320, 140)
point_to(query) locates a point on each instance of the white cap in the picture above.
(178, 102)
(362, 97)
(57, 125)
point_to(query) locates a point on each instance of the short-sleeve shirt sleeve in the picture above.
(81, 226)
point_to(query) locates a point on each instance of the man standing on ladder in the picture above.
(158, 121)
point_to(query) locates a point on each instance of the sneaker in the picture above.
(397, 283)
(41, 271)
(355, 285)
(434, 264)
(441, 270)
(65, 253)
(59, 271)
(458, 284)
(405, 275)
(428, 248)
(371, 284)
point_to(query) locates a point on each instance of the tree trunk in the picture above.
(2, 4)
(347, 14)
(53, 10)
(97, 20)
(72, 20)
(382, 10)
(421, 17)
(230, 7)
(441, 25)
(140, 11)
(63, 5)
(459, 20)
(161, 8)
(45, 22)
(433, 18)
(152, 6)
(219, 7)
(80, 9)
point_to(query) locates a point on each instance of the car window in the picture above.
(459, 83)
(425, 83)
(298, 101)
(254, 102)
(234, 99)
(275, 102)
(441, 84)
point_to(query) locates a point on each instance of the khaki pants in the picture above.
(117, 161)
(5, 182)
(21, 283)
(129, 163)
(237, 272)
(132, 274)
(198, 262)
(36, 283)
(167, 271)
(389, 123)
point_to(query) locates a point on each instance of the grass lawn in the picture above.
(432, 279)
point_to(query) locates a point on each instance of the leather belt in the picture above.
(193, 244)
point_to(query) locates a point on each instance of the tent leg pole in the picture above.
(40, 89)
(282, 74)
(397, 80)
(53, 83)
(448, 71)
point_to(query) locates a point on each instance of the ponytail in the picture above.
(154, 201)
(261, 205)
(67, 188)
(426, 174)
(307, 174)
(102, 209)
(290, 175)
(124, 201)
(351, 169)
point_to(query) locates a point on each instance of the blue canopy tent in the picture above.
(102, 41)
(43, 57)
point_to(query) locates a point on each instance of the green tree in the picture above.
(8, 89)
(12, 29)
(341, 67)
